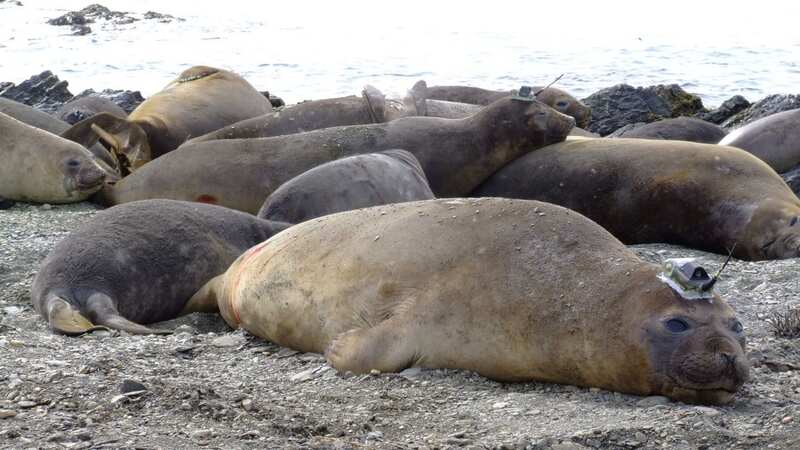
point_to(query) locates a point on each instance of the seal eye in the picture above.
(737, 327)
(676, 325)
(73, 163)
(793, 221)
(562, 104)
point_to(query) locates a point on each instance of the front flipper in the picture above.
(385, 347)
(102, 309)
(64, 318)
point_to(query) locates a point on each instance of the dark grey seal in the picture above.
(677, 129)
(74, 111)
(774, 139)
(140, 263)
(360, 181)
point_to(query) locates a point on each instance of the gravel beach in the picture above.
(207, 386)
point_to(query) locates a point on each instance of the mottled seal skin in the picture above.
(703, 196)
(74, 111)
(560, 100)
(514, 290)
(140, 263)
(774, 139)
(202, 99)
(38, 166)
(677, 129)
(456, 155)
(360, 181)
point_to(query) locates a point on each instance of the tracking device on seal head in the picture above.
(687, 278)
(525, 94)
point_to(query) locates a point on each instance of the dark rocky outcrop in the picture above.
(127, 100)
(44, 92)
(765, 107)
(79, 20)
(728, 108)
(276, 101)
(620, 105)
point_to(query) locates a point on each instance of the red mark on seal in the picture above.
(205, 198)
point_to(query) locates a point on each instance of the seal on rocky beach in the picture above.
(455, 154)
(140, 263)
(79, 109)
(514, 290)
(677, 129)
(703, 196)
(360, 181)
(202, 99)
(556, 98)
(38, 166)
(774, 139)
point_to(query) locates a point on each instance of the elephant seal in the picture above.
(455, 154)
(140, 263)
(514, 290)
(704, 196)
(360, 181)
(678, 129)
(560, 100)
(774, 139)
(202, 99)
(74, 111)
(40, 167)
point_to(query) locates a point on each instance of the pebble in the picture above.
(374, 436)
(310, 374)
(411, 373)
(203, 435)
(229, 340)
(129, 386)
(706, 410)
(25, 404)
(654, 400)
(500, 405)
(787, 420)
(247, 404)
(7, 413)
(184, 329)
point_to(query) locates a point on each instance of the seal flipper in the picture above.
(64, 318)
(102, 309)
(376, 103)
(417, 98)
(384, 347)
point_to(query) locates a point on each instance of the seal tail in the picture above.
(102, 308)
(65, 319)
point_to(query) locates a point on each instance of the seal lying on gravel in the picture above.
(139, 263)
(560, 100)
(360, 181)
(774, 139)
(515, 290)
(704, 196)
(200, 100)
(38, 166)
(677, 129)
(456, 155)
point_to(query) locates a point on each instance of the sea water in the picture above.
(310, 50)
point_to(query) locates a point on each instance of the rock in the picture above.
(680, 102)
(765, 107)
(81, 30)
(787, 420)
(44, 92)
(70, 18)
(119, 399)
(653, 401)
(411, 373)
(203, 435)
(229, 340)
(184, 329)
(707, 411)
(47, 207)
(247, 405)
(728, 108)
(310, 374)
(163, 18)
(276, 101)
(374, 436)
(7, 413)
(499, 405)
(26, 404)
(620, 105)
(130, 386)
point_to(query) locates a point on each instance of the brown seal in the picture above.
(200, 100)
(41, 167)
(456, 155)
(515, 290)
(360, 181)
(774, 139)
(703, 196)
(140, 263)
(556, 98)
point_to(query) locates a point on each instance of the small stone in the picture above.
(654, 400)
(247, 404)
(119, 399)
(26, 404)
(229, 340)
(84, 436)
(787, 420)
(47, 207)
(374, 372)
(57, 437)
(411, 373)
(202, 435)
(184, 329)
(374, 436)
(7, 413)
(129, 386)
(500, 405)
(707, 411)
(310, 374)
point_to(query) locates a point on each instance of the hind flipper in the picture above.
(204, 300)
(101, 308)
(65, 319)
(384, 347)
(417, 97)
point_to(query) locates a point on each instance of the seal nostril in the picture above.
(793, 221)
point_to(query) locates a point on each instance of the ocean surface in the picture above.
(309, 50)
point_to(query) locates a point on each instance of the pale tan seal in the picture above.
(514, 290)
(38, 166)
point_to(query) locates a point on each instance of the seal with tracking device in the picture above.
(689, 279)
